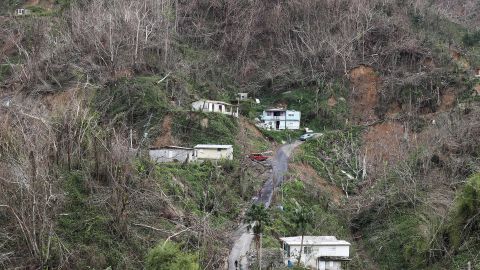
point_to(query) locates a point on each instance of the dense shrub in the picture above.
(169, 256)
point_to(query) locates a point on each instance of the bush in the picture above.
(466, 220)
(471, 39)
(169, 256)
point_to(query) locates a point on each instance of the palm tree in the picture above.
(302, 217)
(258, 217)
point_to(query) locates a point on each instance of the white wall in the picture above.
(214, 154)
(171, 155)
(290, 124)
(206, 106)
(310, 260)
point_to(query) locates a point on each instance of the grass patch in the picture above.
(87, 229)
(335, 156)
(281, 136)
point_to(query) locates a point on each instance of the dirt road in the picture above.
(243, 238)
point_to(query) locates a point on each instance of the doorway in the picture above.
(277, 124)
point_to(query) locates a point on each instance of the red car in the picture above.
(258, 157)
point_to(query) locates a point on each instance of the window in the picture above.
(286, 248)
(219, 149)
(291, 114)
(277, 113)
(307, 250)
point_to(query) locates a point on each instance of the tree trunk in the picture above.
(260, 254)
(301, 249)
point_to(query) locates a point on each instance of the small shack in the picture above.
(242, 96)
(22, 11)
(213, 151)
(172, 154)
(318, 252)
(215, 106)
(477, 72)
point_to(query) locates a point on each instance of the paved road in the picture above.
(243, 238)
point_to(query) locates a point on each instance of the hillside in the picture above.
(87, 87)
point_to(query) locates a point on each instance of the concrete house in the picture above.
(279, 119)
(319, 252)
(213, 152)
(22, 11)
(172, 154)
(242, 96)
(215, 106)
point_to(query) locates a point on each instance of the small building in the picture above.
(242, 96)
(279, 119)
(477, 72)
(318, 252)
(172, 154)
(215, 106)
(213, 151)
(22, 11)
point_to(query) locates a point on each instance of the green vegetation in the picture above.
(327, 218)
(334, 155)
(5, 71)
(140, 102)
(259, 216)
(281, 136)
(87, 230)
(198, 187)
(205, 128)
(465, 223)
(169, 256)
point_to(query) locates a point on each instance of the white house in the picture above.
(213, 151)
(319, 252)
(172, 154)
(242, 96)
(215, 106)
(22, 11)
(278, 119)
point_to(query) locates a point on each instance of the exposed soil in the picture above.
(394, 110)
(249, 137)
(458, 57)
(384, 144)
(477, 90)
(447, 100)
(331, 102)
(61, 99)
(364, 97)
(166, 138)
(307, 174)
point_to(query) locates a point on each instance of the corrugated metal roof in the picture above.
(214, 101)
(209, 146)
(315, 241)
(171, 147)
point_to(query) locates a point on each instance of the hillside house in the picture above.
(319, 252)
(242, 96)
(215, 106)
(213, 152)
(21, 12)
(280, 119)
(172, 154)
(477, 72)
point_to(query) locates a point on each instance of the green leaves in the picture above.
(258, 215)
(302, 217)
(169, 256)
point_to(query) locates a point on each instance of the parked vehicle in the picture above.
(306, 136)
(258, 157)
